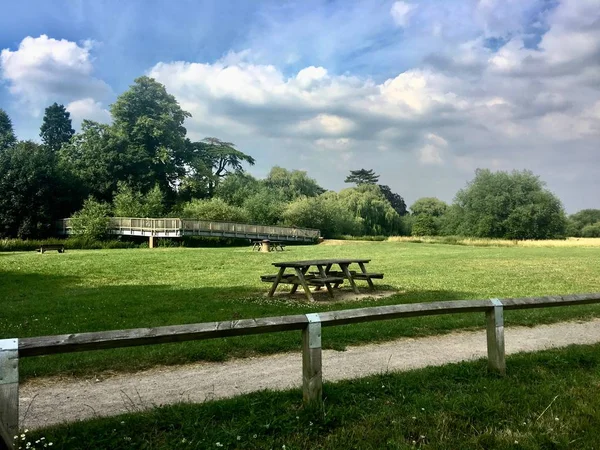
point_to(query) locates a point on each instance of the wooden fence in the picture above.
(310, 325)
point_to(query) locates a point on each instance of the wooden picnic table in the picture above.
(323, 276)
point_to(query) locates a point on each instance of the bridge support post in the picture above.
(151, 241)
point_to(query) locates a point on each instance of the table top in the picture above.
(320, 262)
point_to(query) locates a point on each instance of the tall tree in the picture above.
(30, 187)
(431, 206)
(151, 121)
(292, 184)
(512, 205)
(7, 134)
(362, 176)
(56, 129)
(222, 158)
(395, 200)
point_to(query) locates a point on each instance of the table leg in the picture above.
(295, 286)
(304, 284)
(327, 285)
(276, 282)
(346, 271)
(364, 270)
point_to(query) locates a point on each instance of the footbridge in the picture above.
(175, 228)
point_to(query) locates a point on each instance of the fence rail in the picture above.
(176, 227)
(310, 325)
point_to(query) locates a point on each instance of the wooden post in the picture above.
(312, 376)
(9, 392)
(495, 337)
(151, 241)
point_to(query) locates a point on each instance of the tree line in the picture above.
(143, 164)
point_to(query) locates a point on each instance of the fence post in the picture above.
(495, 337)
(9, 392)
(312, 375)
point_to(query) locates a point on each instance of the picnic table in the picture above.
(323, 276)
(262, 244)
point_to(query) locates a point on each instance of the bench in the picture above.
(45, 247)
(310, 279)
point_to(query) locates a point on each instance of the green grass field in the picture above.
(112, 289)
(548, 400)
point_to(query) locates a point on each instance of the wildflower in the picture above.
(218, 444)
(254, 436)
(422, 409)
(557, 419)
(239, 438)
(414, 418)
(516, 442)
(310, 423)
(184, 440)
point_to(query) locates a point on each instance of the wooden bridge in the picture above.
(175, 228)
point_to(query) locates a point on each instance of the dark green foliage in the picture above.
(214, 209)
(30, 191)
(7, 134)
(151, 122)
(325, 213)
(370, 207)
(131, 203)
(430, 206)
(591, 230)
(237, 187)
(424, 225)
(581, 219)
(265, 207)
(72, 243)
(99, 157)
(292, 184)
(56, 128)
(92, 221)
(395, 200)
(509, 205)
(362, 176)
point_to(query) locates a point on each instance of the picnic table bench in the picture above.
(45, 247)
(324, 276)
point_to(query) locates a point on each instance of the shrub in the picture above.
(424, 225)
(214, 209)
(92, 221)
(591, 230)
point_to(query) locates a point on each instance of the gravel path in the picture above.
(49, 401)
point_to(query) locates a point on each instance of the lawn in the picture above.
(548, 400)
(112, 289)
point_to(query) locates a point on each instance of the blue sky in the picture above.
(424, 92)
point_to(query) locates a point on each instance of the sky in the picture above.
(424, 92)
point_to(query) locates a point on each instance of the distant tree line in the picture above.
(144, 165)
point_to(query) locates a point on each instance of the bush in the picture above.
(72, 243)
(92, 221)
(214, 209)
(424, 225)
(591, 231)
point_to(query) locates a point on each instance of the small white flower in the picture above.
(557, 419)
(26, 430)
(414, 418)
(422, 409)
(254, 436)
(516, 442)
(218, 444)
(310, 423)
(184, 440)
(239, 438)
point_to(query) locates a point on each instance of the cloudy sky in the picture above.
(422, 91)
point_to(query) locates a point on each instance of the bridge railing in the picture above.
(310, 325)
(177, 226)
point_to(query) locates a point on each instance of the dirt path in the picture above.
(48, 401)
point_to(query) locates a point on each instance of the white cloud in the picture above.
(44, 70)
(432, 151)
(87, 108)
(401, 13)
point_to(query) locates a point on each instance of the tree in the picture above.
(581, 219)
(131, 203)
(222, 158)
(429, 205)
(214, 209)
(237, 187)
(325, 213)
(362, 176)
(512, 205)
(151, 122)
(93, 220)
(31, 191)
(367, 203)
(98, 158)
(56, 129)
(292, 184)
(7, 134)
(265, 207)
(424, 225)
(395, 200)
(592, 230)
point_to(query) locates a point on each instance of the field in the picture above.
(548, 400)
(112, 289)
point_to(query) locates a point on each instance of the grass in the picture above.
(98, 290)
(548, 400)
(484, 242)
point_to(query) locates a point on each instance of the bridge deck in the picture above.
(172, 228)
